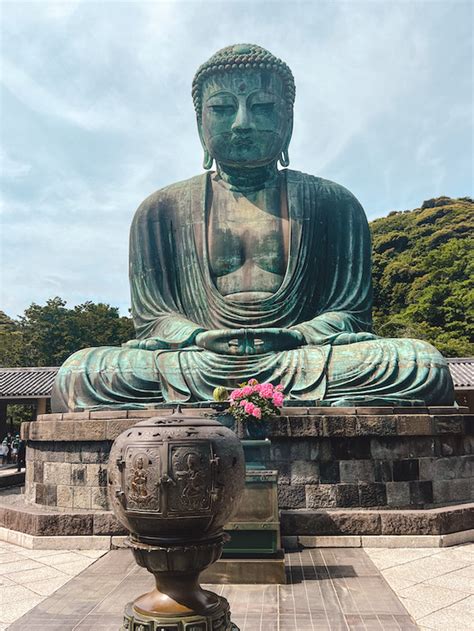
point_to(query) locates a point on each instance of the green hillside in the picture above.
(423, 270)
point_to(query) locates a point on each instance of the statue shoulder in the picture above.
(167, 198)
(326, 190)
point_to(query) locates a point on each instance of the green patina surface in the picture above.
(251, 270)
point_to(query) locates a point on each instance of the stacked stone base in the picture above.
(342, 471)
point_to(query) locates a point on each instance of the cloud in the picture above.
(11, 168)
(97, 114)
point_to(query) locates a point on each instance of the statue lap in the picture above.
(385, 371)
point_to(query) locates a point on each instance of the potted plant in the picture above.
(253, 403)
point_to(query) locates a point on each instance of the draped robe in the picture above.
(326, 291)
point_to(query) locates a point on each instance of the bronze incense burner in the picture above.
(173, 483)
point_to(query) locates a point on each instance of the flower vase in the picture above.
(255, 429)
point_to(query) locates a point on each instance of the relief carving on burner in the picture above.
(191, 468)
(142, 480)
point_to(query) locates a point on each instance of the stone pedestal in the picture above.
(325, 457)
(346, 471)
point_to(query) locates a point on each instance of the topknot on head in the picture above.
(241, 57)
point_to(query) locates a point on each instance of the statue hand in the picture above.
(218, 340)
(150, 344)
(249, 341)
(353, 338)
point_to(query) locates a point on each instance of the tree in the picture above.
(423, 270)
(46, 335)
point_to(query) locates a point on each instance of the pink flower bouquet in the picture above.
(255, 401)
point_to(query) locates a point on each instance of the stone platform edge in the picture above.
(106, 542)
(296, 422)
(300, 522)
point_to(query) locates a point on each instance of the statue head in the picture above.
(243, 97)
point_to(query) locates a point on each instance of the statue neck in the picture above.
(248, 179)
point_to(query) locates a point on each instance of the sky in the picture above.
(96, 114)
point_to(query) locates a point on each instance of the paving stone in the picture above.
(438, 597)
(298, 607)
(449, 618)
(460, 580)
(420, 608)
(19, 566)
(35, 574)
(46, 587)
(18, 603)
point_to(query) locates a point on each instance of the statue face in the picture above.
(245, 118)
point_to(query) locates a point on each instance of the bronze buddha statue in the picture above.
(250, 270)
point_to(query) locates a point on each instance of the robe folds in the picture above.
(325, 292)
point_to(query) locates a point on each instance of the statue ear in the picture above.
(284, 158)
(208, 159)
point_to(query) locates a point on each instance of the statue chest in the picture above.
(247, 241)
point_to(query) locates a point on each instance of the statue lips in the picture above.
(242, 140)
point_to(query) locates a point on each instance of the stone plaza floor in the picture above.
(328, 588)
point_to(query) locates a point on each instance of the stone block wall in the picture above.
(327, 458)
(68, 474)
(408, 472)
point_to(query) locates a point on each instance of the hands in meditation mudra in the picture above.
(251, 271)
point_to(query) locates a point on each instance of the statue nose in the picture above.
(242, 121)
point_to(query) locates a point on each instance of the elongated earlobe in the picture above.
(208, 160)
(284, 158)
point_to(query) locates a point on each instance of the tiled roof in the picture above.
(462, 372)
(27, 382)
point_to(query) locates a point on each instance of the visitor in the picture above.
(21, 456)
(15, 444)
(7, 446)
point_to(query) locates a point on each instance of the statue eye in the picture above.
(263, 108)
(222, 109)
